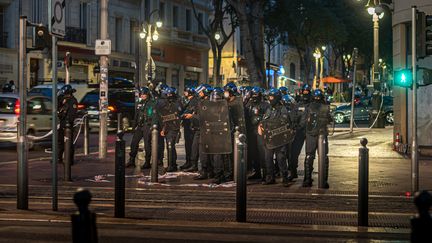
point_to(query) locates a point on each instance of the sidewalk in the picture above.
(178, 197)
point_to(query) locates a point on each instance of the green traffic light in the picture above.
(403, 78)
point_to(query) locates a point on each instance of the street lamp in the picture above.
(317, 55)
(150, 33)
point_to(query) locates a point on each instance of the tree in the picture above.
(250, 16)
(216, 26)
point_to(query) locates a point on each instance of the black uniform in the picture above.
(144, 119)
(170, 128)
(254, 112)
(299, 139)
(67, 114)
(317, 117)
(278, 111)
(189, 105)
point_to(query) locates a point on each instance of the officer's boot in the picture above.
(131, 163)
(172, 167)
(269, 179)
(307, 181)
(326, 173)
(146, 164)
(285, 181)
(186, 165)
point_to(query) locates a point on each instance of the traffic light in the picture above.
(403, 78)
(41, 38)
(424, 35)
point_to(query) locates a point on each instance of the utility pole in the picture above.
(414, 148)
(22, 183)
(67, 64)
(103, 86)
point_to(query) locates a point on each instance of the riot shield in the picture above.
(169, 115)
(215, 137)
(237, 113)
(277, 133)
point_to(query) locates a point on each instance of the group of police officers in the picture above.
(275, 123)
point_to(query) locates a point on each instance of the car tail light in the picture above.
(111, 108)
(17, 107)
(81, 106)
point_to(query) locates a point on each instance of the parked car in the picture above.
(46, 90)
(342, 113)
(119, 101)
(39, 117)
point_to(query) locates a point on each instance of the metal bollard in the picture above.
(321, 161)
(363, 184)
(422, 223)
(154, 154)
(68, 159)
(235, 151)
(86, 136)
(241, 192)
(83, 222)
(120, 158)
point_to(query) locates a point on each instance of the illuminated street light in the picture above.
(217, 36)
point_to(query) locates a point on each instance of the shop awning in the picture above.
(331, 79)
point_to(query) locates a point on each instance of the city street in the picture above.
(177, 197)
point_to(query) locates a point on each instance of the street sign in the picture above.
(103, 47)
(58, 18)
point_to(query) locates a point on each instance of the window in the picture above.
(162, 11)
(83, 15)
(188, 20)
(118, 33)
(147, 8)
(48, 105)
(200, 23)
(132, 36)
(175, 16)
(36, 11)
(35, 106)
(7, 105)
(292, 71)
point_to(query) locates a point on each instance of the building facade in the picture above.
(401, 60)
(180, 54)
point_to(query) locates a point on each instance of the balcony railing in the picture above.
(3, 39)
(76, 35)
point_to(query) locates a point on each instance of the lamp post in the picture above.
(376, 10)
(321, 84)
(317, 55)
(149, 33)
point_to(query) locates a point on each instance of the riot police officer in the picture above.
(169, 109)
(144, 114)
(283, 90)
(188, 104)
(254, 111)
(203, 91)
(317, 117)
(276, 110)
(67, 113)
(303, 100)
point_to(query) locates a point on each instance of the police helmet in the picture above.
(190, 90)
(318, 95)
(288, 100)
(67, 89)
(169, 91)
(160, 87)
(231, 88)
(217, 93)
(274, 92)
(256, 91)
(205, 88)
(283, 90)
(144, 90)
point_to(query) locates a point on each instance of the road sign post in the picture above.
(57, 28)
(103, 85)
